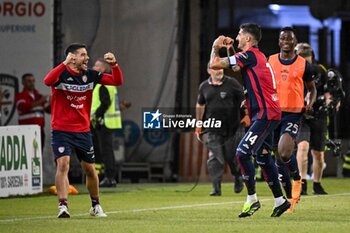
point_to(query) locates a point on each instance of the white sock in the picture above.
(252, 198)
(279, 201)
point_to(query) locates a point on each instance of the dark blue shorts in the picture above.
(65, 143)
(258, 135)
(290, 124)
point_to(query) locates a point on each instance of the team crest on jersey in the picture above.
(61, 149)
(284, 74)
(84, 78)
(223, 94)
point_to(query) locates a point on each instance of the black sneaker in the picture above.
(279, 210)
(215, 193)
(304, 187)
(249, 209)
(216, 189)
(318, 189)
(238, 187)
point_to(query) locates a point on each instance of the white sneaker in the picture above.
(63, 212)
(97, 211)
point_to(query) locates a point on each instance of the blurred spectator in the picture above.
(314, 125)
(105, 119)
(220, 98)
(32, 105)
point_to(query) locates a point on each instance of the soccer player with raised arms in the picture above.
(72, 84)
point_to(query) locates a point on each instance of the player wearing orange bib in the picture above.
(293, 75)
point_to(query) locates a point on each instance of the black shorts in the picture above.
(64, 143)
(314, 131)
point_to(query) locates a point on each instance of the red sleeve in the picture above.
(114, 79)
(52, 77)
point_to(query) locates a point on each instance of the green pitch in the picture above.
(166, 208)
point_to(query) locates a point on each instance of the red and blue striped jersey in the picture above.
(259, 81)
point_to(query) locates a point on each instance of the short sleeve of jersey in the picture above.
(201, 98)
(245, 59)
(308, 73)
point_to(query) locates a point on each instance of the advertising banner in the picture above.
(26, 38)
(20, 160)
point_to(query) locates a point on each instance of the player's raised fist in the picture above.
(110, 58)
(69, 59)
(228, 41)
(223, 41)
(219, 42)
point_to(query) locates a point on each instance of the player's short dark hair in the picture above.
(287, 29)
(74, 47)
(253, 29)
(24, 76)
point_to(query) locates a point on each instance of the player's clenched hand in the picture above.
(219, 42)
(69, 59)
(223, 41)
(110, 58)
(228, 42)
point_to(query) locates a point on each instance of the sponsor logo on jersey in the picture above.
(77, 106)
(75, 87)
